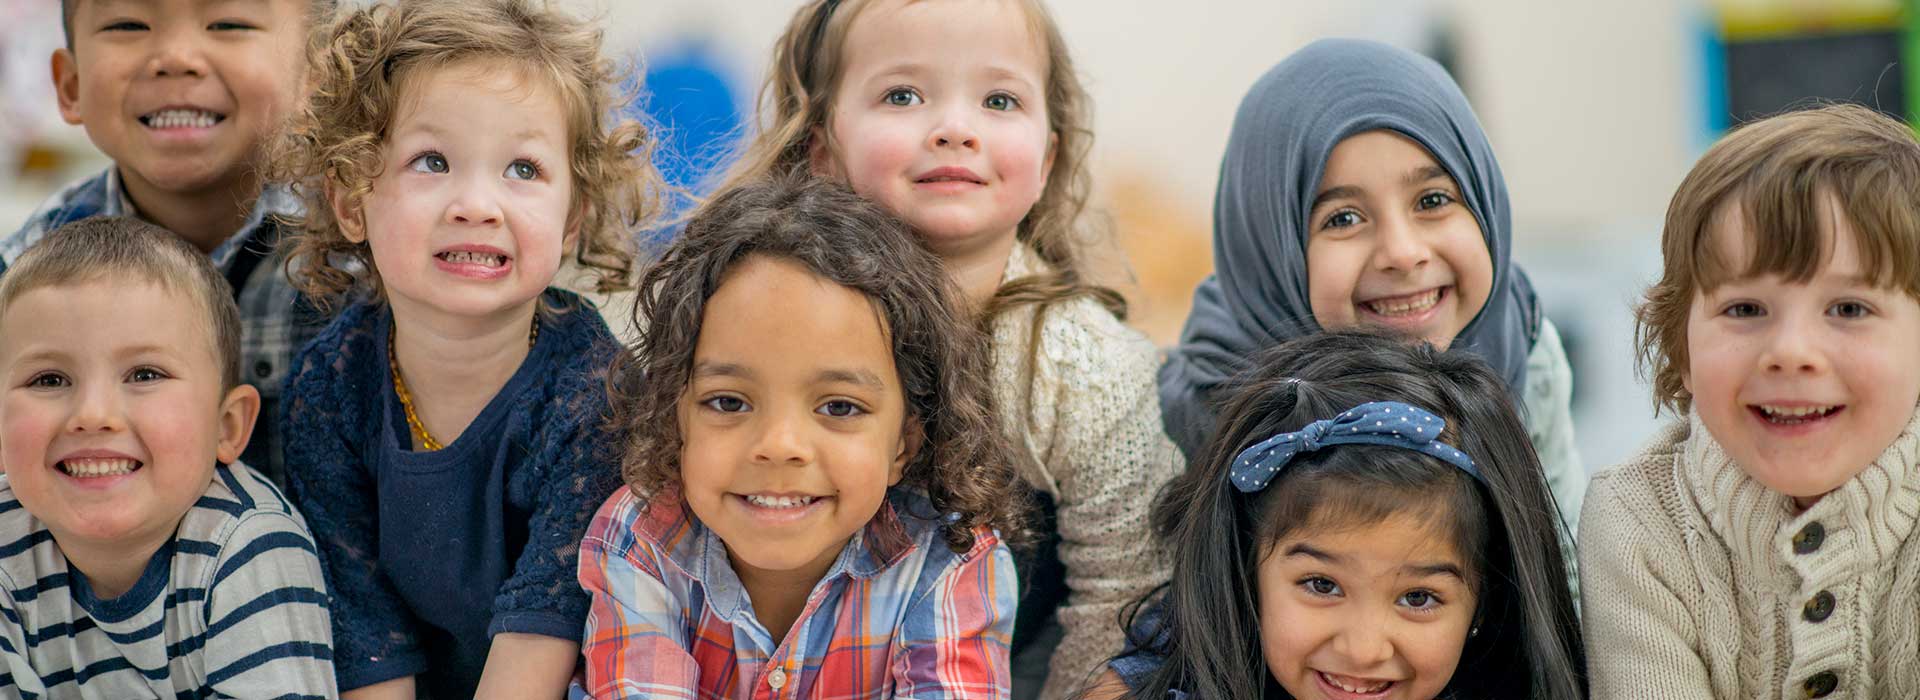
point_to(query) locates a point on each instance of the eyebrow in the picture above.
(721, 369)
(862, 377)
(1418, 570)
(1425, 173)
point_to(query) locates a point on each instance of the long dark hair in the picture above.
(1528, 645)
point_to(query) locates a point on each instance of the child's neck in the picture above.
(454, 365)
(206, 218)
(112, 567)
(977, 266)
(780, 596)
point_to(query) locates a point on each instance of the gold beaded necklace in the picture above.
(419, 429)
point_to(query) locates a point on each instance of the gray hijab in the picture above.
(1286, 127)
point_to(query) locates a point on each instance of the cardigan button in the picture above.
(1819, 608)
(263, 369)
(1821, 684)
(1809, 538)
(777, 679)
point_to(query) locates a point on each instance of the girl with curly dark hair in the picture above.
(818, 496)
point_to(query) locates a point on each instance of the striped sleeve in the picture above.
(17, 679)
(955, 640)
(635, 642)
(268, 633)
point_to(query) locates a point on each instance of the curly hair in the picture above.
(1776, 178)
(797, 100)
(964, 465)
(359, 68)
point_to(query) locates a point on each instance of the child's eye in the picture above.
(143, 375)
(1002, 102)
(726, 404)
(428, 162)
(1743, 309)
(902, 97)
(1433, 200)
(124, 25)
(1420, 600)
(230, 25)
(523, 170)
(1341, 219)
(1850, 309)
(841, 409)
(1320, 586)
(48, 380)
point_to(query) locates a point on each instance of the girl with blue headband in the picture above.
(1359, 190)
(1368, 521)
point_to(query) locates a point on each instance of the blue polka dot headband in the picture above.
(1388, 423)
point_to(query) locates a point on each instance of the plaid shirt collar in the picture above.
(670, 525)
(106, 196)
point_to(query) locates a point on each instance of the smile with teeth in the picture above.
(1405, 305)
(1355, 685)
(181, 119)
(463, 257)
(93, 468)
(780, 502)
(1792, 415)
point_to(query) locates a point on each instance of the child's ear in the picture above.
(820, 160)
(238, 411)
(66, 84)
(346, 217)
(912, 435)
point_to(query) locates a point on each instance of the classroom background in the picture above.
(1596, 110)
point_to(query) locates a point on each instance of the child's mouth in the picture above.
(94, 468)
(780, 502)
(181, 119)
(1405, 305)
(1355, 686)
(1793, 415)
(467, 257)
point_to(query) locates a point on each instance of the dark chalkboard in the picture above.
(1775, 74)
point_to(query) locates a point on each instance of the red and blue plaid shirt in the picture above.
(899, 614)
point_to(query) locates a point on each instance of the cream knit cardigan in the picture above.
(1693, 587)
(1086, 413)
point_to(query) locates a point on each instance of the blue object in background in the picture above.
(694, 111)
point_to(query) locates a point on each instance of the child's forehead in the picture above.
(1737, 245)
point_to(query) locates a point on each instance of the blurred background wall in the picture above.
(1596, 110)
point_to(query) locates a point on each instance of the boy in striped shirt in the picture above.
(138, 557)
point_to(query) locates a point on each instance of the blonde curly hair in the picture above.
(358, 68)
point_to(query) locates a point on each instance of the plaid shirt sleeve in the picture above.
(955, 639)
(635, 641)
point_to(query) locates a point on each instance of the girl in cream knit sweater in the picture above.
(1762, 548)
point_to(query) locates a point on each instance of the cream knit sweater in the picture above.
(1088, 417)
(1699, 582)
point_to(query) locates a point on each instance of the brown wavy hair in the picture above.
(1783, 179)
(359, 68)
(796, 102)
(964, 465)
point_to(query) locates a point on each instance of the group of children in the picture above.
(877, 432)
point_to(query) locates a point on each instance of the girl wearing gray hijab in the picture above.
(1359, 189)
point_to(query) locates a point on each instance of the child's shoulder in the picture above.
(239, 506)
(1646, 494)
(20, 535)
(91, 196)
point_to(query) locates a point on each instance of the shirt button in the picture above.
(1818, 608)
(263, 369)
(1821, 684)
(1809, 538)
(777, 679)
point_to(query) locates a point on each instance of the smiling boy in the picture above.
(138, 558)
(182, 95)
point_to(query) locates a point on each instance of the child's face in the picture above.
(1804, 385)
(182, 93)
(940, 115)
(794, 421)
(1379, 611)
(1390, 243)
(113, 416)
(469, 216)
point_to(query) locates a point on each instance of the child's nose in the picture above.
(955, 130)
(1793, 346)
(1398, 245)
(1366, 644)
(782, 442)
(474, 204)
(177, 54)
(97, 409)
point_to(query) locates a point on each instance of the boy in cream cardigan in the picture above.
(1762, 546)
